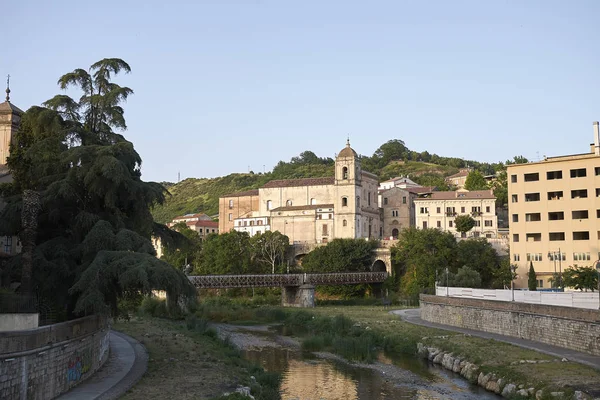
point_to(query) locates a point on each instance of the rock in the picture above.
(531, 391)
(456, 365)
(564, 360)
(470, 372)
(501, 384)
(521, 386)
(483, 380)
(523, 393)
(422, 350)
(560, 395)
(492, 386)
(438, 358)
(433, 352)
(539, 394)
(579, 395)
(509, 390)
(531, 361)
(448, 361)
(244, 391)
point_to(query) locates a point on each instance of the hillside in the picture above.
(202, 195)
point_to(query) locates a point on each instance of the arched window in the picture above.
(345, 173)
(288, 203)
(313, 202)
(344, 202)
(269, 205)
(345, 223)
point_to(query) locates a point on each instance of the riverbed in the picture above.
(316, 376)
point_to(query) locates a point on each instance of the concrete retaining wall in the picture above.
(571, 328)
(44, 362)
(18, 322)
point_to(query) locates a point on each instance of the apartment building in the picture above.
(554, 213)
(439, 209)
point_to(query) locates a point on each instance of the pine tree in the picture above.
(532, 278)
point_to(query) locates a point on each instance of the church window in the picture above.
(269, 205)
(345, 223)
(344, 202)
(404, 200)
(345, 173)
(288, 203)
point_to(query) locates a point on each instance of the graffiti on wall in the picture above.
(78, 366)
(103, 347)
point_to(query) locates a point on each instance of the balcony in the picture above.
(450, 213)
(476, 213)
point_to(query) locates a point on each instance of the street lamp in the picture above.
(552, 256)
(513, 269)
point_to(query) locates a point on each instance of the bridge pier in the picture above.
(298, 296)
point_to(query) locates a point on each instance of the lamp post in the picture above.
(446, 281)
(560, 281)
(552, 256)
(513, 268)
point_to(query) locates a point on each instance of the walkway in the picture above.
(413, 316)
(125, 366)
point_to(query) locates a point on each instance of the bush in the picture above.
(154, 307)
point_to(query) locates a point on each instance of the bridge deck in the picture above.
(282, 280)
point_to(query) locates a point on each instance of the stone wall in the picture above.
(571, 328)
(18, 321)
(44, 362)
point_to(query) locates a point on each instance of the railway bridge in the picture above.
(298, 290)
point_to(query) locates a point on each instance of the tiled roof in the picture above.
(329, 180)
(253, 192)
(474, 194)
(458, 175)
(208, 224)
(421, 189)
(305, 207)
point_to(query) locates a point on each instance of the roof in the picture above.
(347, 151)
(253, 192)
(329, 180)
(188, 216)
(474, 194)
(459, 174)
(7, 106)
(205, 223)
(420, 189)
(305, 207)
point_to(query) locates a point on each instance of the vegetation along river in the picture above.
(316, 376)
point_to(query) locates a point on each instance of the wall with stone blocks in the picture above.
(44, 362)
(571, 328)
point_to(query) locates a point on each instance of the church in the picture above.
(310, 210)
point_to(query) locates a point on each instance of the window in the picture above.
(259, 222)
(533, 237)
(451, 224)
(581, 235)
(251, 223)
(368, 199)
(424, 210)
(515, 198)
(556, 216)
(551, 175)
(439, 224)
(532, 177)
(438, 210)
(319, 216)
(515, 237)
(534, 256)
(475, 209)
(450, 211)
(478, 223)
(555, 256)
(487, 209)
(533, 217)
(403, 199)
(516, 257)
(329, 216)
(394, 213)
(313, 202)
(515, 218)
(357, 201)
(230, 217)
(488, 222)
(513, 178)
(344, 223)
(325, 231)
(597, 192)
(288, 203)
(345, 173)
(580, 214)
(8, 244)
(532, 197)
(424, 224)
(581, 256)
(269, 205)
(557, 236)
(597, 171)
(578, 173)
(385, 201)
(462, 210)
(555, 195)
(579, 194)
(245, 223)
(540, 283)
(344, 202)
(597, 213)
(230, 204)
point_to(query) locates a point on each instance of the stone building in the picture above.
(310, 210)
(458, 180)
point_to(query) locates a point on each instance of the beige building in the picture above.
(201, 223)
(554, 213)
(439, 210)
(459, 178)
(398, 209)
(310, 210)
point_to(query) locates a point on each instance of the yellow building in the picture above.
(554, 211)
(310, 210)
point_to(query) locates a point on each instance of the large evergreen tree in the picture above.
(92, 239)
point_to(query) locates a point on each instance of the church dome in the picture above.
(347, 151)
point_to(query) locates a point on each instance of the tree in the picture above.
(270, 248)
(185, 249)
(500, 188)
(478, 255)
(228, 253)
(465, 277)
(504, 275)
(390, 151)
(517, 160)
(581, 278)
(531, 278)
(92, 242)
(419, 255)
(464, 223)
(475, 181)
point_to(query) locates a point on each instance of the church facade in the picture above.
(310, 210)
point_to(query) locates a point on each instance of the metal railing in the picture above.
(12, 303)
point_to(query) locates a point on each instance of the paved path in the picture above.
(413, 315)
(125, 366)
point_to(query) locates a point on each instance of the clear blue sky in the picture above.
(223, 85)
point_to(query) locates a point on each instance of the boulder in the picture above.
(492, 386)
(448, 361)
(523, 393)
(456, 367)
(579, 395)
(438, 358)
(509, 390)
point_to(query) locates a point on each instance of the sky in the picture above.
(230, 86)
